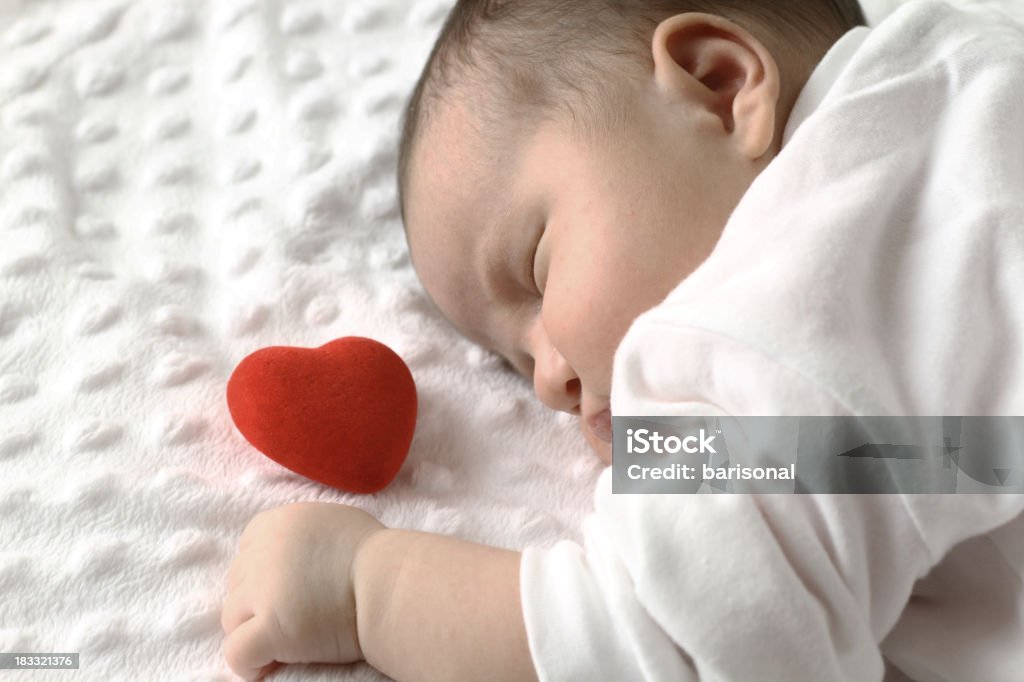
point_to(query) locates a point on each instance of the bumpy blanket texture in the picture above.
(183, 182)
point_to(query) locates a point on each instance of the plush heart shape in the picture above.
(342, 414)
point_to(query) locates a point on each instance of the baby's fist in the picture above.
(290, 594)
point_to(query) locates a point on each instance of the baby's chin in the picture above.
(602, 449)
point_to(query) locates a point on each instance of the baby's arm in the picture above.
(328, 583)
(432, 607)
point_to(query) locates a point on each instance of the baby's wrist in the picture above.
(370, 574)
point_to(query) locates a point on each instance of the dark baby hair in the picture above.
(527, 60)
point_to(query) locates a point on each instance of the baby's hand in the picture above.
(290, 594)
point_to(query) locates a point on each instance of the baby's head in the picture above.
(564, 165)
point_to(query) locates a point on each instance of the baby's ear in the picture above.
(708, 62)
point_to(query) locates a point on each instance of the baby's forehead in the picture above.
(453, 163)
(482, 129)
(459, 189)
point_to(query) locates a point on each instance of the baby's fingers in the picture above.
(236, 610)
(248, 649)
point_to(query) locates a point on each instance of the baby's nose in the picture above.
(557, 385)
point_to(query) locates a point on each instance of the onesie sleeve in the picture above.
(584, 621)
(733, 587)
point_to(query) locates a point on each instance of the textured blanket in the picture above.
(183, 182)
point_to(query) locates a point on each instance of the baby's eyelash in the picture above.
(533, 262)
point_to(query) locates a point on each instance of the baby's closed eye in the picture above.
(538, 273)
(523, 368)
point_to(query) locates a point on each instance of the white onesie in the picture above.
(876, 267)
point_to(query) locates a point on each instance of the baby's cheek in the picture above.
(580, 326)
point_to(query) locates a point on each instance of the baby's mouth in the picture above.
(600, 425)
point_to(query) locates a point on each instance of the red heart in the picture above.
(342, 414)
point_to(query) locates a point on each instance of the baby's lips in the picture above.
(600, 424)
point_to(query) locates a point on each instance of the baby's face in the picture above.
(547, 250)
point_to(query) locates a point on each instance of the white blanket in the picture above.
(181, 183)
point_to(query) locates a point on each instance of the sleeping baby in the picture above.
(698, 207)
